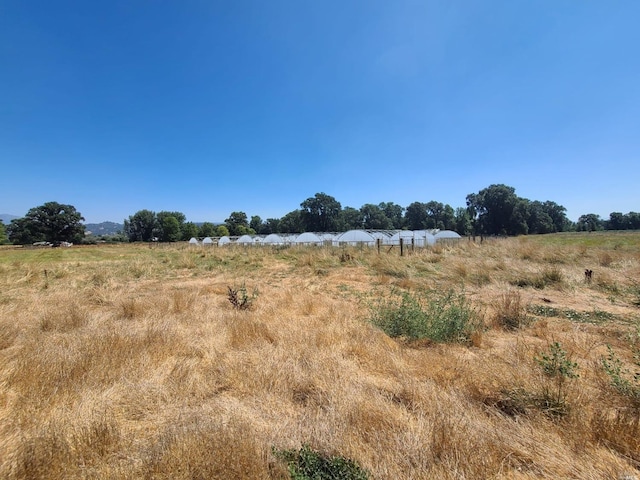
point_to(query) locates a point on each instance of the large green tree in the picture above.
(492, 209)
(374, 218)
(350, 219)
(142, 226)
(590, 222)
(393, 212)
(189, 231)
(415, 216)
(238, 224)
(320, 213)
(291, 223)
(207, 229)
(170, 225)
(3, 234)
(52, 222)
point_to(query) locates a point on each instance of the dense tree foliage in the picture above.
(621, 221)
(142, 226)
(3, 234)
(495, 210)
(589, 223)
(393, 212)
(291, 223)
(374, 218)
(189, 231)
(52, 222)
(320, 213)
(350, 219)
(237, 224)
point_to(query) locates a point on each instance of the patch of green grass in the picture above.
(595, 316)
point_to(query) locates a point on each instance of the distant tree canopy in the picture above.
(495, 210)
(238, 224)
(52, 222)
(589, 223)
(621, 221)
(320, 213)
(142, 226)
(207, 229)
(189, 231)
(3, 234)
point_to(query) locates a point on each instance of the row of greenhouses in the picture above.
(418, 238)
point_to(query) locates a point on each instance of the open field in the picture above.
(128, 362)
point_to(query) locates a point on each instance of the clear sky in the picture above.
(208, 107)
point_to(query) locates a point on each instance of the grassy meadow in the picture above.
(131, 362)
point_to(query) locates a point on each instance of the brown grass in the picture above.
(128, 362)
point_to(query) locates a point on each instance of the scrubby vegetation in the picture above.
(128, 362)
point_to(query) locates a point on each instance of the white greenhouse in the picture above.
(308, 238)
(354, 237)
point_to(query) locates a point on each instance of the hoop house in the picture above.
(245, 240)
(423, 238)
(448, 235)
(381, 235)
(223, 241)
(273, 239)
(207, 241)
(354, 237)
(308, 238)
(420, 238)
(193, 241)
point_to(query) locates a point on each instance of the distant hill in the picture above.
(104, 228)
(6, 218)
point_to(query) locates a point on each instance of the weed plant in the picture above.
(622, 379)
(240, 299)
(308, 464)
(560, 369)
(440, 317)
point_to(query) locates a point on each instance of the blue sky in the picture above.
(209, 107)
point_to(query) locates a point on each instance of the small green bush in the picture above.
(559, 368)
(307, 464)
(441, 317)
(625, 382)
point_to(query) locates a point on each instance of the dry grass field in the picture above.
(130, 362)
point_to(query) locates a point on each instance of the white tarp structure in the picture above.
(447, 235)
(273, 239)
(381, 235)
(423, 238)
(355, 237)
(308, 238)
(245, 240)
(419, 238)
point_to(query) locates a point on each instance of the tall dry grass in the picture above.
(129, 362)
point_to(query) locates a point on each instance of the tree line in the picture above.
(495, 210)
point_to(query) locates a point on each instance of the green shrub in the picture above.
(625, 382)
(559, 368)
(441, 317)
(307, 464)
